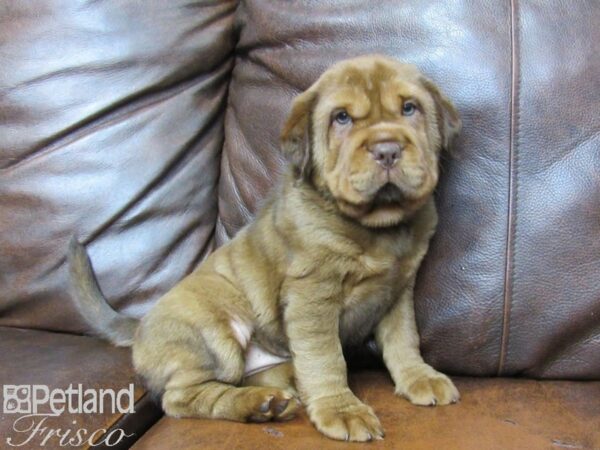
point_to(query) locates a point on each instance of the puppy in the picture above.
(330, 260)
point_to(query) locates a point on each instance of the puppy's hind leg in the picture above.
(281, 376)
(199, 373)
(218, 400)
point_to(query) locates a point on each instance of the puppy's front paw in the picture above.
(344, 417)
(423, 385)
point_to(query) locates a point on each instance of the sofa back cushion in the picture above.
(113, 116)
(111, 127)
(511, 284)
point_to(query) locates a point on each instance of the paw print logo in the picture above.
(17, 399)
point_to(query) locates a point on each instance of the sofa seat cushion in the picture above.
(494, 413)
(33, 360)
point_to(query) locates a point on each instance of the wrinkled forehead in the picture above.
(361, 82)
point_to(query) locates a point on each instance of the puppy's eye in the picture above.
(342, 117)
(408, 108)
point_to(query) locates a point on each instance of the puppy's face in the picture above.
(368, 133)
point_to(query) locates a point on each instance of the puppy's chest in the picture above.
(377, 272)
(370, 288)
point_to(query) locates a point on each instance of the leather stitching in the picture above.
(512, 187)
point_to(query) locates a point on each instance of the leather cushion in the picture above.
(510, 283)
(30, 357)
(111, 127)
(494, 414)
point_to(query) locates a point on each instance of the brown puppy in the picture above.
(329, 260)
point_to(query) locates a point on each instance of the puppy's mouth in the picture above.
(388, 194)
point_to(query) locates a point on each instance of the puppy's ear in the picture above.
(449, 122)
(296, 135)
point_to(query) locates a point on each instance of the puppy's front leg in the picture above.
(398, 338)
(320, 370)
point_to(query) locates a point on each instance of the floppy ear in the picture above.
(449, 122)
(296, 135)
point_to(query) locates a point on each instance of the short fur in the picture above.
(329, 260)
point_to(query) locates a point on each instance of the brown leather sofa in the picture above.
(150, 130)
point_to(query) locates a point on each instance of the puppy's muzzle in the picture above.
(385, 153)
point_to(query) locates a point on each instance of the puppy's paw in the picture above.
(264, 404)
(345, 418)
(423, 385)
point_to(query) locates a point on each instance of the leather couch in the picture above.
(150, 130)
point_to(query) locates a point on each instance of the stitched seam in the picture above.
(512, 188)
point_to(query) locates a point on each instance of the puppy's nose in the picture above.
(386, 153)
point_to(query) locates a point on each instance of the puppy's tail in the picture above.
(91, 303)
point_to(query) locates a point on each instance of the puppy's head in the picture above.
(368, 134)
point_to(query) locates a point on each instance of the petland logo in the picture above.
(37, 403)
